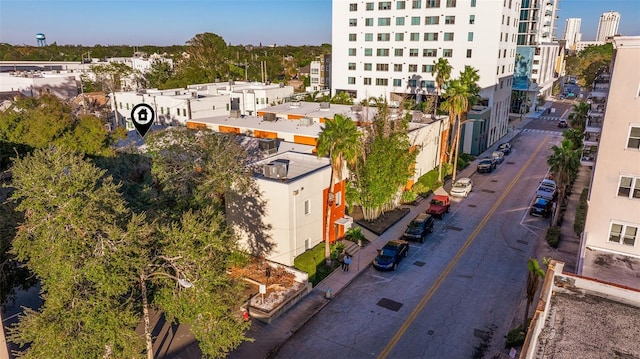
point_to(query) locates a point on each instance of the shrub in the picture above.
(428, 182)
(336, 250)
(515, 337)
(408, 196)
(553, 236)
(354, 234)
(581, 213)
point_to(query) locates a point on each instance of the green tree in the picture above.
(111, 75)
(588, 63)
(564, 162)
(534, 275)
(206, 60)
(159, 74)
(579, 115)
(442, 71)
(339, 140)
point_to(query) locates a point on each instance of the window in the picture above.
(430, 36)
(352, 52)
(468, 53)
(307, 207)
(338, 198)
(415, 20)
(397, 67)
(353, 22)
(427, 69)
(352, 37)
(400, 5)
(623, 234)
(431, 20)
(351, 80)
(448, 36)
(184, 112)
(368, 37)
(127, 105)
(382, 52)
(368, 67)
(629, 187)
(414, 36)
(473, 3)
(447, 53)
(398, 52)
(384, 21)
(470, 36)
(367, 81)
(384, 5)
(384, 37)
(413, 83)
(413, 52)
(121, 107)
(449, 20)
(451, 3)
(368, 21)
(397, 82)
(368, 52)
(382, 67)
(400, 36)
(168, 110)
(472, 19)
(427, 84)
(382, 82)
(352, 66)
(369, 6)
(400, 21)
(353, 7)
(413, 68)
(432, 4)
(416, 4)
(634, 138)
(430, 53)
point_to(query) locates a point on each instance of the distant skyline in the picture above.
(173, 22)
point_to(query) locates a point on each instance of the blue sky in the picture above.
(174, 22)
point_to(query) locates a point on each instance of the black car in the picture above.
(419, 227)
(505, 148)
(541, 207)
(563, 124)
(391, 254)
(486, 165)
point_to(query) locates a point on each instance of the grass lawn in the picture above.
(312, 262)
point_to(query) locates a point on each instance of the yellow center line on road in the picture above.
(396, 337)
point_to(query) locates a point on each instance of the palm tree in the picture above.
(339, 140)
(564, 163)
(533, 280)
(442, 72)
(579, 115)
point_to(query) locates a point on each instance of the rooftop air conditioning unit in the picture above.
(268, 146)
(271, 117)
(277, 170)
(234, 114)
(325, 105)
(306, 121)
(194, 94)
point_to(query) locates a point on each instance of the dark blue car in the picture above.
(391, 254)
(541, 207)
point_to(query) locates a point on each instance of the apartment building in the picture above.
(388, 49)
(320, 73)
(572, 32)
(608, 25)
(613, 219)
(537, 53)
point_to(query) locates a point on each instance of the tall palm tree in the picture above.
(339, 140)
(564, 163)
(533, 280)
(442, 72)
(578, 116)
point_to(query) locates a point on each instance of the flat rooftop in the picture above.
(298, 165)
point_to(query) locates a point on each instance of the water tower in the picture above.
(42, 40)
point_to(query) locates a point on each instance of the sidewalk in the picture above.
(269, 338)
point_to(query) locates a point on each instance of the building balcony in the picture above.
(588, 156)
(594, 124)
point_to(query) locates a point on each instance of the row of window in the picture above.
(414, 36)
(424, 84)
(401, 5)
(623, 233)
(414, 20)
(413, 68)
(412, 52)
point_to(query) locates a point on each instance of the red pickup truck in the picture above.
(439, 205)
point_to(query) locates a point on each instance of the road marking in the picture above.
(396, 337)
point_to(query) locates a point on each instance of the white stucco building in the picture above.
(36, 83)
(572, 32)
(608, 25)
(388, 48)
(613, 217)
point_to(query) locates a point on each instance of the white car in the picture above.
(462, 187)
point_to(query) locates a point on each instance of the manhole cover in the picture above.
(472, 205)
(510, 163)
(455, 228)
(389, 304)
(430, 332)
(488, 191)
(419, 264)
(522, 241)
(494, 180)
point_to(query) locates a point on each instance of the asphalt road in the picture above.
(457, 294)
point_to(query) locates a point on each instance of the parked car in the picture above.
(563, 123)
(462, 187)
(505, 148)
(419, 227)
(547, 189)
(498, 156)
(439, 205)
(391, 254)
(486, 165)
(541, 207)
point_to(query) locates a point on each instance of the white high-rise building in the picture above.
(608, 25)
(388, 49)
(572, 32)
